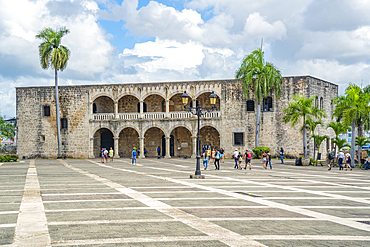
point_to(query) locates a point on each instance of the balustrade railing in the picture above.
(154, 115)
(128, 116)
(151, 115)
(180, 115)
(212, 114)
(103, 116)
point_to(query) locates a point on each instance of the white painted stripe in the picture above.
(82, 194)
(230, 238)
(7, 225)
(100, 200)
(198, 198)
(310, 237)
(256, 218)
(9, 212)
(95, 209)
(95, 222)
(31, 228)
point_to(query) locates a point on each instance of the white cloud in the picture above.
(257, 26)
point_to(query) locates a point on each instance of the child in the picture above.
(111, 153)
(240, 159)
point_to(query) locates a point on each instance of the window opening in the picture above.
(64, 123)
(267, 104)
(239, 139)
(250, 105)
(46, 111)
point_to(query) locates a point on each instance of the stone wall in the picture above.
(209, 136)
(182, 140)
(104, 105)
(128, 138)
(155, 103)
(128, 104)
(153, 139)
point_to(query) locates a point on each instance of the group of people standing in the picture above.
(104, 154)
(214, 154)
(342, 157)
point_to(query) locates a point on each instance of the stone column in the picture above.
(116, 155)
(91, 110)
(168, 156)
(91, 148)
(194, 106)
(194, 144)
(141, 156)
(167, 107)
(115, 109)
(141, 108)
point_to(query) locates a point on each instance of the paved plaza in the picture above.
(77, 202)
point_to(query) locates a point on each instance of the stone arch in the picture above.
(128, 126)
(105, 127)
(146, 128)
(182, 141)
(203, 98)
(154, 103)
(128, 138)
(103, 138)
(146, 95)
(181, 125)
(206, 91)
(93, 98)
(104, 104)
(209, 135)
(121, 95)
(128, 104)
(178, 106)
(153, 138)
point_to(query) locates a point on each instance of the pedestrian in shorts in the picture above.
(248, 159)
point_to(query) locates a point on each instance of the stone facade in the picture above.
(148, 115)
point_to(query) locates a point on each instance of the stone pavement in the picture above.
(86, 203)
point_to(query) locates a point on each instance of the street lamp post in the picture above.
(197, 110)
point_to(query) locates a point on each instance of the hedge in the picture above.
(258, 150)
(8, 158)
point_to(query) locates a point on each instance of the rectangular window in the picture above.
(239, 139)
(349, 134)
(46, 111)
(63, 123)
(250, 105)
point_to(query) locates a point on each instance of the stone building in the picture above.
(148, 115)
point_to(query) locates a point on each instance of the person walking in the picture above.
(205, 159)
(248, 159)
(235, 155)
(222, 155)
(240, 160)
(268, 159)
(264, 159)
(102, 155)
(329, 158)
(282, 155)
(348, 161)
(217, 160)
(341, 157)
(133, 156)
(213, 155)
(159, 152)
(106, 155)
(209, 154)
(111, 154)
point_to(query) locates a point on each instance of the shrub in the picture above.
(258, 150)
(8, 158)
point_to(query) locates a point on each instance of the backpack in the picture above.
(249, 156)
(331, 157)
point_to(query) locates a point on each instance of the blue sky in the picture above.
(141, 41)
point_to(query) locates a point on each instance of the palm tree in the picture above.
(361, 141)
(351, 108)
(302, 107)
(339, 128)
(53, 54)
(319, 139)
(340, 143)
(262, 76)
(7, 130)
(311, 126)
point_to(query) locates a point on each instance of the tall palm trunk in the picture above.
(304, 141)
(360, 134)
(314, 148)
(258, 123)
(57, 111)
(353, 142)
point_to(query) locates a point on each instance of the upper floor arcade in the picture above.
(151, 102)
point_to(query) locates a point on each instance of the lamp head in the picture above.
(185, 98)
(213, 98)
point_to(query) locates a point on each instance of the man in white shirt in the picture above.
(236, 154)
(340, 157)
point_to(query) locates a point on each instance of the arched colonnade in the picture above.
(179, 141)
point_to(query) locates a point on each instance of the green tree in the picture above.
(262, 77)
(7, 130)
(351, 109)
(311, 126)
(361, 141)
(302, 108)
(53, 54)
(340, 143)
(319, 139)
(339, 128)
